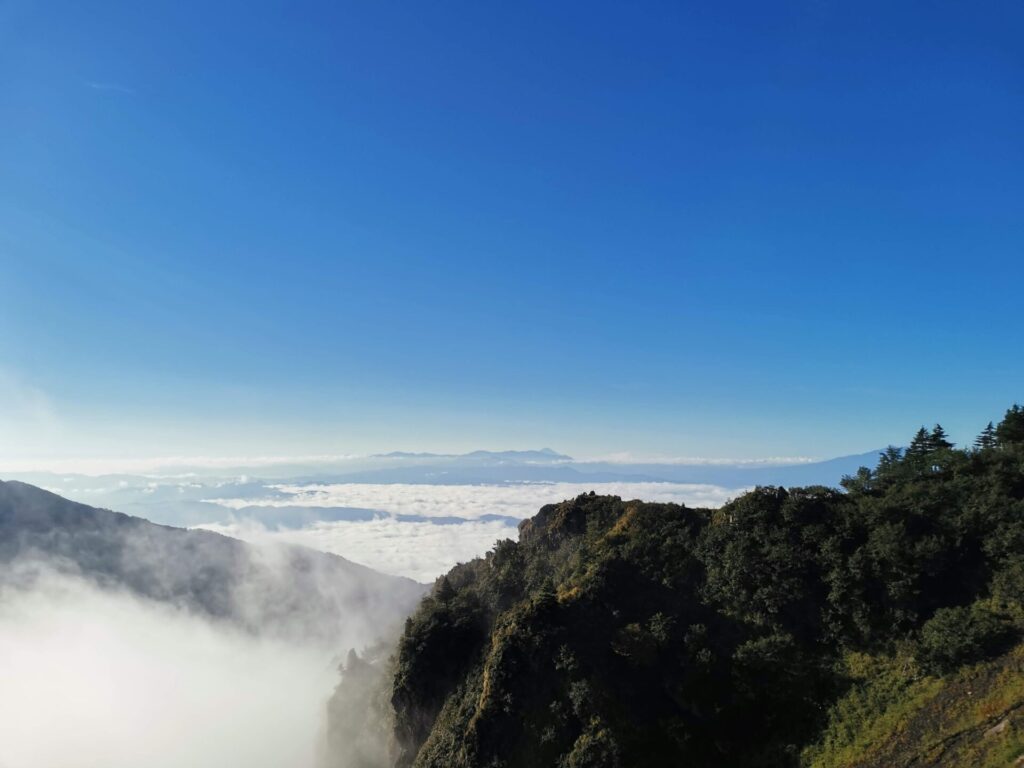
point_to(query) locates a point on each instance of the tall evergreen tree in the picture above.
(445, 592)
(987, 438)
(920, 448)
(937, 440)
(1011, 428)
(920, 445)
(888, 462)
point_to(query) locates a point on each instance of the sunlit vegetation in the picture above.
(869, 625)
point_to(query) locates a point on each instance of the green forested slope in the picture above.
(873, 626)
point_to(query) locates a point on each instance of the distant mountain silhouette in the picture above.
(185, 498)
(285, 590)
(543, 455)
(549, 467)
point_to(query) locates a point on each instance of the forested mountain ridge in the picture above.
(803, 626)
(285, 590)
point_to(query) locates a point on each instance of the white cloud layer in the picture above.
(520, 500)
(424, 549)
(418, 550)
(90, 678)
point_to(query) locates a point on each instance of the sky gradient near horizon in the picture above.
(675, 229)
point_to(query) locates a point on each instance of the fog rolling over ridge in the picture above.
(284, 591)
(125, 643)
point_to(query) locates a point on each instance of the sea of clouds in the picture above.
(408, 514)
(101, 677)
(421, 531)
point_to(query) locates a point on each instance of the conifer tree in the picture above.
(987, 438)
(920, 445)
(937, 440)
(445, 591)
(888, 461)
(1011, 428)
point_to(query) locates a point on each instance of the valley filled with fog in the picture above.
(127, 643)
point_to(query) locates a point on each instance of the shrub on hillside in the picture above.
(962, 635)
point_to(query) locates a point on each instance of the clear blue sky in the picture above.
(715, 229)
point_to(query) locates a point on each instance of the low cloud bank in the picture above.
(94, 678)
(423, 530)
(418, 550)
(518, 500)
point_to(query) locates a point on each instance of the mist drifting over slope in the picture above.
(93, 677)
(124, 643)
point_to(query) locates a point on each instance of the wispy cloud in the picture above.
(113, 87)
(26, 410)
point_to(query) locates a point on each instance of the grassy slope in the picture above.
(894, 718)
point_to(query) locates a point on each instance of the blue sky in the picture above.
(680, 229)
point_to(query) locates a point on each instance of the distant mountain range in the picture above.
(284, 590)
(544, 455)
(181, 495)
(547, 466)
(542, 465)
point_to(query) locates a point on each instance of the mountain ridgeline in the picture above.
(878, 625)
(287, 591)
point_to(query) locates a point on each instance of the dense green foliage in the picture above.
(619, 633)
(961, 635)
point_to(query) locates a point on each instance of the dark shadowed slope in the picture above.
(810, 627)
(283, 590)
